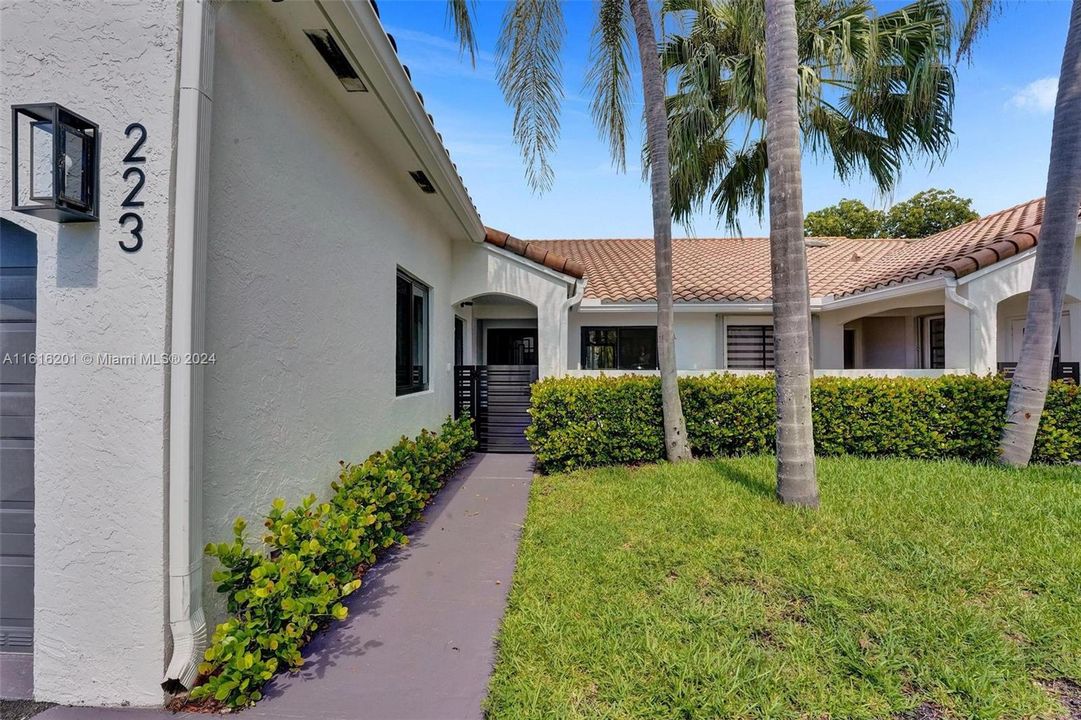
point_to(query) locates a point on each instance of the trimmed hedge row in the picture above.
(291, 583)
(588, 422)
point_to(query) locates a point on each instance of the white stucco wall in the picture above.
(306, 232)
(101, 436)
(985, 290)
(480, 269)
(696, 334)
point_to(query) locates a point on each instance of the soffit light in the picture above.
(339, 64)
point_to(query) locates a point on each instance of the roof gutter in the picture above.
(910, 287)
(187, 622)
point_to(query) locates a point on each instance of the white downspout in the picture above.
(564, 323)
(187, 622)
(955, 297)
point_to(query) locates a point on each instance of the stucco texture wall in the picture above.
(305, 234)
(100, 448)
(696, 335)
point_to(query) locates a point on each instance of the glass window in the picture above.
(749, 347)
(411, 356)
(619, 348)
(936, 342)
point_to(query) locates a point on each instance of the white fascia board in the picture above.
(885, 293)
(530, 265)
(757, 308)
(364, 36)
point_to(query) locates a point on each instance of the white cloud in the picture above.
(1037, 96)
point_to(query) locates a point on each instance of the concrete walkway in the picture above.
(418, 642)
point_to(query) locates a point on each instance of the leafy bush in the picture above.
(588, 422)
(287, 587)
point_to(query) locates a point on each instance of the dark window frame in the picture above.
(616, 348)
(933, 355)
(413, 383)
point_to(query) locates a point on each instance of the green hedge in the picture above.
(588, 422)
(287, 586)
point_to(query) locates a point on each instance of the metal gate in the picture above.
(497, 397)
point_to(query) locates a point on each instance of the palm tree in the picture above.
(529, 74)
(796, 483)
(1054, 255)
(869, 91)
(873, 92)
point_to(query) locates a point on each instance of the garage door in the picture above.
(18, 313)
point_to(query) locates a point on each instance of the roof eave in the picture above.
(402, 101)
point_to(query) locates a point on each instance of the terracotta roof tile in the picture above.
(537, 252)
(737, 269)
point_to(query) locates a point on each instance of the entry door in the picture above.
(18, 315)
(512, 346)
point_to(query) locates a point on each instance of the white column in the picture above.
(551, 339)
(984, 333)
(959, 333)
(830, 350)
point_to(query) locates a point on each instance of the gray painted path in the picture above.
(419, 640)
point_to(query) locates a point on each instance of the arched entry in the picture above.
(1010, 326)
(18, 342)
(494, 386)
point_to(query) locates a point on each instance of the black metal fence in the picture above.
(497, 397)
(1067, 371)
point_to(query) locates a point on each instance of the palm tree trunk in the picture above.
(1054, 255)
(675, 427)
(796, 483)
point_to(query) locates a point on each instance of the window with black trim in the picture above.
(934, 342)
(411, 357)
(749, 347)
(619, 348)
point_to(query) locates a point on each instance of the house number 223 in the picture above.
(131, 220)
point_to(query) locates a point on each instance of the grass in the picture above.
(920, 589)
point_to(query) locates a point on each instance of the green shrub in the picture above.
(588, 422)
(283, 590)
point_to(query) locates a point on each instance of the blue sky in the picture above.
(1002, 120)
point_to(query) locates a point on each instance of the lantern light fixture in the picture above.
(54, 161)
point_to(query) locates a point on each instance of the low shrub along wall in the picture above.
(588, 422)
(285, 587)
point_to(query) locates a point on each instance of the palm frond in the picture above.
(530, 75)
(609, 74)
(875, 91)
(460, 18)
(977, 16)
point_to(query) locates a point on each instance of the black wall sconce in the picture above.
(54, 162)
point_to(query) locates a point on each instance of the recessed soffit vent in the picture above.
(332, 54)
(422, 181)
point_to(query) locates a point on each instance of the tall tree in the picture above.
(675, 428)
(927, 213)
(874, 92)
(796, 481)
(530, 75)
(1054, 257)
(848, 218)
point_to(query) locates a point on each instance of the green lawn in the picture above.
(919, 589)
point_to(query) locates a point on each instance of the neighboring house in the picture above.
(952, 302)
(273, 200)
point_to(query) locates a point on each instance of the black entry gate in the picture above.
(497, 397)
